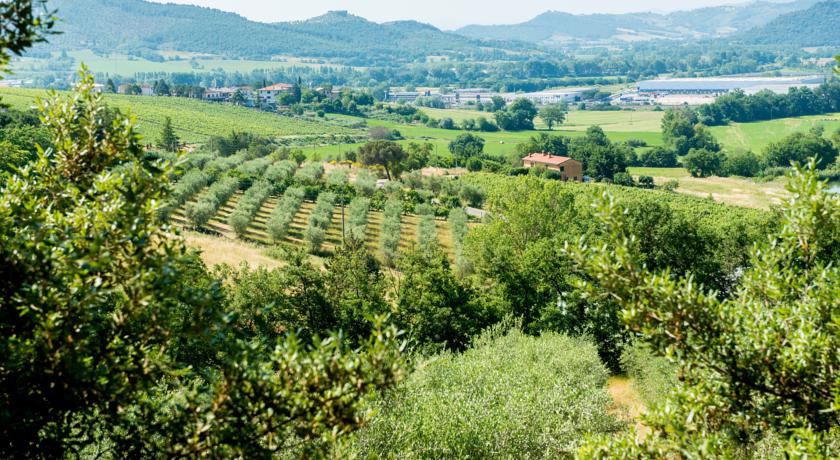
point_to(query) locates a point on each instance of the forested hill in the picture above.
(555, 27)
(816, 26)
(131, 25)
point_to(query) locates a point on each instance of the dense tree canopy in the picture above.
(387, 154)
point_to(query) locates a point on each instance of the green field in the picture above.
(755, 136)
(194, 120)
(577, 120)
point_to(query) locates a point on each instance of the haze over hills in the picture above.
(560, 28)
(137, 24)
(816, 26)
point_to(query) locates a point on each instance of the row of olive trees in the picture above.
(247, 207)
(283, 215)
(426, 227)
(458, 225)
(357, 218)
(319, 221)
(201, 211)
(280, 171)
(309, 173)
(391, 229)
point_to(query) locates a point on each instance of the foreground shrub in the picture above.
(511, 396)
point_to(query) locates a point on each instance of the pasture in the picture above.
(757, 135)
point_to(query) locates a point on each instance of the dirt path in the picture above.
(627, 398)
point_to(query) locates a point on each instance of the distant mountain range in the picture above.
(126, 25)
(557, 28)
(134, 26)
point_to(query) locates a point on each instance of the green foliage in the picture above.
(799, 148)
(739, 107)
(391, 230)
(337, 177)
(192, 182)
(518, 116)
(26, 22)
(205, 207)
(458, 225)
(357, 218)
(365, 182)
(283, 215)
(100, 314)
(427, 236)
(466, 146)
(387, 154)
(744, 164)
(763, 361)
(554, 114)
(247, 207)
(319, 221)
(658, 157)
(704, 163)
(682, 131)
(544, 143)
(601, 158)
(310, 173)
(168, 140)
(508, 396)
(280, 172)
(654, 377)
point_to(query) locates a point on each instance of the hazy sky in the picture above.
(447, 14)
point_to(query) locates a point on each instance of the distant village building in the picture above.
(269, 94)
(568, 168)
(219, 94)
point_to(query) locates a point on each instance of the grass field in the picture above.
(755, 136)
(194, 120)
(619, 121)
(735, 191)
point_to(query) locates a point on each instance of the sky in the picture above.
(445, 14)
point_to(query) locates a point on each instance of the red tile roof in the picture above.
(546, 158)
(277, 87)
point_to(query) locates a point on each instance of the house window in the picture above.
(562, 169)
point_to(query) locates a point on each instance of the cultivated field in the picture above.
(194, 120)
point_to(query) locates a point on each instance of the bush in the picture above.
(248, 206)
(357, 218)
(337, 177)
(391, 230)
(624, 179)
(704, 163)
(309, 173)
(365, 182)
(190, 183)
(510, 396)
(658, 157)
(280, 172)
(745, 164)
(319, 221)
(426, 228)
(474, 164)
(283, 215)
(209, 203)
(646, 182)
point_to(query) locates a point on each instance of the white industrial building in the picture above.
(722, 85)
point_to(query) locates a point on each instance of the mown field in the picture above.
(619, 121)
(755, 136)
(737, 191)
(194, 120)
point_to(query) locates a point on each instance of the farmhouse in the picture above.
(568, 168)
(268, 95)
(219, 94)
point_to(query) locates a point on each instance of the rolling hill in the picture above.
(559, 28)
(136, 25)
(816, 26)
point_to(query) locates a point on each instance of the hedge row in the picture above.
(310, 173)
(458, 225)
(280, 171)
(283, 215)
(248, 206)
